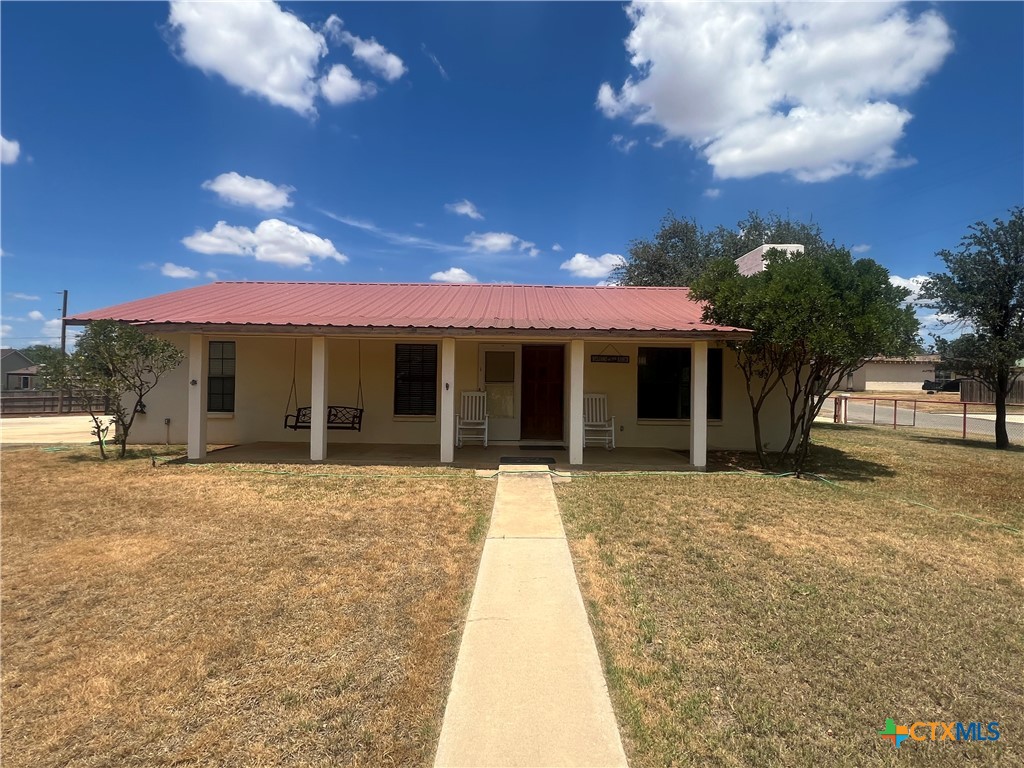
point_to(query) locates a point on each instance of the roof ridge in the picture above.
(448, 285)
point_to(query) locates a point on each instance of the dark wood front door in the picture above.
(543, 392)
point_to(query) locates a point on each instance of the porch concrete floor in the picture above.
(468, 457)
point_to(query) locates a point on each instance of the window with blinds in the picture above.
(415, 379)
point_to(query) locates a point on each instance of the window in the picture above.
(415, 379)
(24, 382)
(663, 383)
(221, 380)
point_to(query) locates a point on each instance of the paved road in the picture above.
(978, 425)
(33, 430)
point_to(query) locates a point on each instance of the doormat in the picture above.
(526, 460)
(541, 448)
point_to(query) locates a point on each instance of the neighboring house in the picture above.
(752, 262)
(895, 374)
(412, 349)
(23, 378)
(16, 370)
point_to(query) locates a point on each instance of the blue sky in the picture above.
(148, 147)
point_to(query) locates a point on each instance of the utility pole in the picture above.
(63, 346)
(63, 326)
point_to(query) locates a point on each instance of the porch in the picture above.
(467, 457)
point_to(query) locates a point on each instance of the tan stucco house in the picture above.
(404, 354)
(893, 374)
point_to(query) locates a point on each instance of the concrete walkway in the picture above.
(528, 689)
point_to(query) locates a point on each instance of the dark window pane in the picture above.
(415, 379)
(663, 383)
(221, 378)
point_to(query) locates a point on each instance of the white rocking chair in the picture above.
(472, 421)
(598, 428)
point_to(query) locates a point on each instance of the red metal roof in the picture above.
(418, 305)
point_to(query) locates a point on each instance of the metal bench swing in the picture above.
(348, 417)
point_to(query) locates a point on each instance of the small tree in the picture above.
(984, 288)
(816, 317)
(118, 365)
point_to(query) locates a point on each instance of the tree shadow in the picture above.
(984, 445)
(833, 463)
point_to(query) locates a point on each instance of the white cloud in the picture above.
(464, 208)
(255, 46)
(797, 88)
(210, 275)
(621, 143)
(453, 275)
(557, 248)
(500, 242)
(52, 327)
(246, 190)
(23, 296)
(273, 241)
(35, 314)
(441, 70)
(712, 193)
(9, 151)
(5, 330)
(340, 86)
(395, 238)
(370, 52)
(170, 269)
(862, 248)
(912, 284)
(582, 265)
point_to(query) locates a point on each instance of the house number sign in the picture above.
(609, 358)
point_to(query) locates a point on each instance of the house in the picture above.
(406, 352)
(752, 262)
(16, 370)
(895, 374)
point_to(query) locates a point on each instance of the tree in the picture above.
(678, 253)
(983, 287)
(41, 354)
(118, 365)
(816, 316)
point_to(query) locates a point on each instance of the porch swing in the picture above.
(348, 417)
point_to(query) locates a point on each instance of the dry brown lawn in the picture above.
(184, 615)
(754, 621)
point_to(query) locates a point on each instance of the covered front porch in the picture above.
(324, 365)
(467, 457)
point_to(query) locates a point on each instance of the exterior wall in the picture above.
(890, 377)
(734, 431)
(264, 373)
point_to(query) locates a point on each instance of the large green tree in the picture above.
(116, 365)
(681, 249)
(983, 287)
(816, 316)
(678, 252)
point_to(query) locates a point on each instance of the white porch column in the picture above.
(318, 401)
(699, 405)
(197, 388)
(447, 400)
(576, 402)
